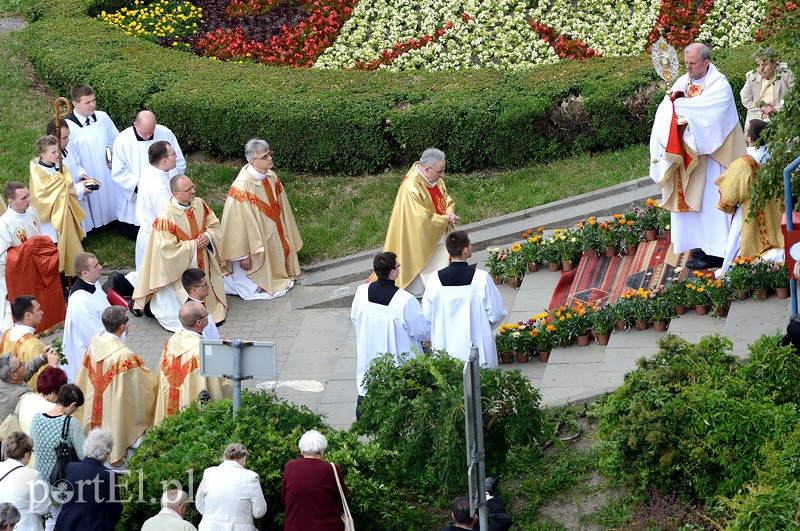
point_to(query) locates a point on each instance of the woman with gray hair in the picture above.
(309, 488)
(230, 496)
(21, 485)
(92, 497)
(9, 516)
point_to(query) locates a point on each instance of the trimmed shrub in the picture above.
(416, 410)
(356, 122)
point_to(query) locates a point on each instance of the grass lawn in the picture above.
(337, 215)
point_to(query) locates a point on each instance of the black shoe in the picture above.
(135, 311)
(707, 262)
(698, 253)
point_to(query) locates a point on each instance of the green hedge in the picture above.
(356, 122)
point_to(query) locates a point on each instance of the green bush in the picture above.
(687, 421)
(355, 122)
(416, 410)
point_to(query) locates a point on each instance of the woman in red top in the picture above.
(309, 488)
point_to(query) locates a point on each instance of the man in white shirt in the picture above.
(153, 193)
(85, 306)
(195, 283)
(174, 504)
(92, 135)
(387, 319)
(462, 305)
(131, 159)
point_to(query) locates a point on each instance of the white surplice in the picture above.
(88, 143)
(461, 316)
(84, 312)
(710, 116)
(153, 195)
(15, 228)
(130, 161)
(396, 328)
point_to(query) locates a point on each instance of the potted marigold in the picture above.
(648, 217)
(532, 251)
(740, 275)
(661, 310)
(609, 238)
(591, 236)
(675, 292)
(515, 266)
(545, 337)
(505, 343)
(719, 293)
(603, 323)
(582, 321)
(696, 293)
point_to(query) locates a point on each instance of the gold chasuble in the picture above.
(257, 220)
(179, 379)
(761, 230)
(55, 199)
(418, 222)
(171, 250)
(119, 391)
(25, 348)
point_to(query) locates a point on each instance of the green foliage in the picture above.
(354, 122)
(688, 421)
(774, 370)
(417, 410)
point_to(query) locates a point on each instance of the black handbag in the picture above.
(65, 454)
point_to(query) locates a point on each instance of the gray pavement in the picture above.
(316, 340)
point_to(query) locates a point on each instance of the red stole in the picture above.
(439, 204)
(100, 380)
(175, 372)
(271, 208)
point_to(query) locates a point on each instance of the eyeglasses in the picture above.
(18, 368)
(397, 266)
(206, 315)
(265, 156)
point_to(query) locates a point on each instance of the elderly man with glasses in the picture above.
(13, 375)
(260, 239)
(178, 373)
(423, 213)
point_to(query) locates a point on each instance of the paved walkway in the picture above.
(316, 340)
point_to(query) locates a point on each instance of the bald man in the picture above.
(130, 161)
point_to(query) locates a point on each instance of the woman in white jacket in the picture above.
(23, 486)
(230, 496)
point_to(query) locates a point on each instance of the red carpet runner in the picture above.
(600, 279)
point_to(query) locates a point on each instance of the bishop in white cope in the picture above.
(131, 159)
(87, 300)
(462, 305)
(387, 318)
(92, 135)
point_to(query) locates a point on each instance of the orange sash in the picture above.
(176, 373)
(100, 380)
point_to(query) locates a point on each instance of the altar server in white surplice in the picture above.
(153, 193)
(131, 159)
(387, 318)
(462, 305)
(85, 306)
(92, 135)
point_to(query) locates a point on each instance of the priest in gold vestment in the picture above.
(20, 340)
(179, 379)
(423, 213)
(260, 238)
(55, 198)
(119, 391)
(186, 234)
(696, 135)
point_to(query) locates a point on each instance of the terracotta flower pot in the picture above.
(567, 265)
(515, 282)
(506, 357)
(668, 236)
(642, 324)
(611, 251)
(620, 325)
(631, 251)
(533, 267)
(680, 309)
(584, 340)
(660, 326)
(720, 311)
(760, 294)
(782, 293)
(602, 339)
(522, 357)
(742, 294)
(650, 235)
(701, 309)
(544, 356)
(554, 266)
(497, 279)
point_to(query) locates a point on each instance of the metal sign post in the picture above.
(238, 360)
(787, 196)
(473, 423)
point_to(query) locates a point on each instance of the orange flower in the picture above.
(630, 223)
(516, 247)
(540, 230)
(622, 222)
(617, 216)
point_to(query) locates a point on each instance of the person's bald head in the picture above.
(697, 58)
(193, 316)
(145, 124)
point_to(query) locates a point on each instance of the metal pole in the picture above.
(483, 515)
(787, 195)
(237, 374)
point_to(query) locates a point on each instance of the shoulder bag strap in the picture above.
(65, 429)
(345, 507)
(10, 471)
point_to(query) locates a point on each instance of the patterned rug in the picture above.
(600, 279)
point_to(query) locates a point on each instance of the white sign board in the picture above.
(259, 359)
